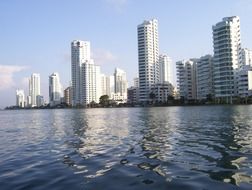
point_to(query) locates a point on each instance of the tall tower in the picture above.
(148, 53)
(165, 69)
(227, 57)
(80, 53)
(85, 75)
(55, 89)
(34, 89)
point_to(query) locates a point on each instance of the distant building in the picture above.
(165, 69)
(40, 101)
(110, 85)
(186, 79)
(227, 57)
(136, 82)
(103, 85)
(55, 89)
(34, 89)
(68, 96)
(121, 84)
(20, 98)
(246, 55)
(205, 87)
(148, 54)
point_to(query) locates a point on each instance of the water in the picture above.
(127, 148)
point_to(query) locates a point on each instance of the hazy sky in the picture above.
(35, 36)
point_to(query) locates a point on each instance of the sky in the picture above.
(35, 36)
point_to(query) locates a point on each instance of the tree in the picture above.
(152, 97)
(170, 97)
(104, 100)
(209, 97)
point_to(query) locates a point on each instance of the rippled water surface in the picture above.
(127, 148)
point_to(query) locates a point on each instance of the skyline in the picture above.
(43, 41)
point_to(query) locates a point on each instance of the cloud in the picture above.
(102, 57)
(117, 5)
(6, 75)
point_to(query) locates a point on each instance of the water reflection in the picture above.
(101, 134)
(187, 139)
(139, 148)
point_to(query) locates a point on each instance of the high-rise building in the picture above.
(227, 57)
(121, 83)
(186, 79)
(165, 69)
(136, 82)
(205, 89)
(20, 98)
(85, 74)
(55, 89)
(34, 89)
(246, 55)
(103, 84)
(148, 53)
(68, 96)
(110, 85)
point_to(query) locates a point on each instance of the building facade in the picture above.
(68, 96)
(20, 98)
(133, 95)
(186, 79)
(121, 83)
(34, 90)
(148, 54)
(162, 91)
(165, 69)
(227, 57)
(86, 80)
(245, 81)
(55, 89)
(246, 55)
(205, 89)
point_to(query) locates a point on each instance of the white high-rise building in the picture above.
(86, 80)
(165, 69)
(103, 84)
(246, 55)
(55, 89)
(20, 98)
(107, 85)
(121, 83)
(186, 79)
(148, 54)
(205, 78)
(110, 85)
(136, 82)
(227, 57)
(34, 89)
